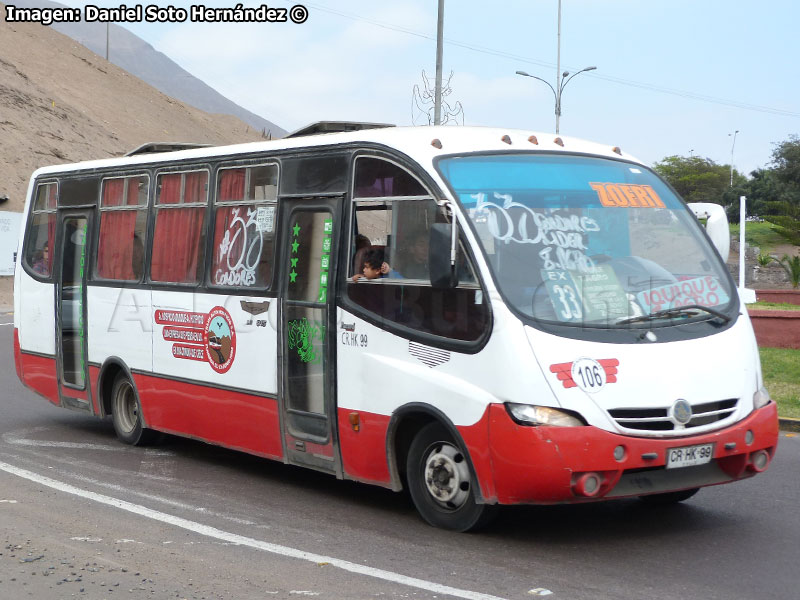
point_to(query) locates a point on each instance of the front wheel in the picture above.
(126, 413)
(441, 482)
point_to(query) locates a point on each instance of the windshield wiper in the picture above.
(677, 311)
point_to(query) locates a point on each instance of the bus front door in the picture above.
(71, 326)
(307, 390)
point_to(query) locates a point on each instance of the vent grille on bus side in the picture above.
(657, 419)
(431, 357)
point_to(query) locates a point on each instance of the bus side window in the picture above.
(399, 224)
(245, 211)
(123, 224)
(39, 249)
(179, 235)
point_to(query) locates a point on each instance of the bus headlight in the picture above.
(527, 414)
(761, 397)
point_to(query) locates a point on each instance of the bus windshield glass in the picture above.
(588, 241)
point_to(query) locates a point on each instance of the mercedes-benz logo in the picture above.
(681, 412)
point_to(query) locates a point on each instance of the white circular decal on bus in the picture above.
(588, 374)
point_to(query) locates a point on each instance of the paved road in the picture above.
(83, 516)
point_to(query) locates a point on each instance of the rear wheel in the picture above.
(126, 413)
(669, 497)
(441, 482)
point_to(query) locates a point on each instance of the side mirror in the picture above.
(442, 269)
(716, 225)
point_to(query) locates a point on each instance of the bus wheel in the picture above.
(669, 497)
(127, 413)
(441, 482)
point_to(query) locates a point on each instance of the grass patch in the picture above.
(781, 368)
(762, 235)
(774, 306)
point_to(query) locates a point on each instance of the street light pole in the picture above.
(562, 79)
(561, 82)
(437, 99)
(733, 145)
(558, 69)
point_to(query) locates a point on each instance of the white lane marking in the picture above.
(72, 445)
(16, 439)
(241, 540)
(167, 501)
(6, 324)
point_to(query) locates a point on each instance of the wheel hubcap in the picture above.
(126, 408)
(447, 476)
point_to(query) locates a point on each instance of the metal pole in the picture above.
(107, 27)
(437, 106)
(558, 70)
(742, 248)
(732, 147)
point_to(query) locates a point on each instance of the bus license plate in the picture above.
(689, 456)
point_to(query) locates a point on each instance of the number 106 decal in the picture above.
(588, 374)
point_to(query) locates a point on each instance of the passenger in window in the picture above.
(362, 244)
(41, 263)
(375, 267)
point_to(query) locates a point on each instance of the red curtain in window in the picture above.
(178, 234)
(113, 193)
(195, 190)
(231, 187)
(115, 248)
(117, 231)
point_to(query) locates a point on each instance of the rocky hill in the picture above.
(139, 58)
(59, 103)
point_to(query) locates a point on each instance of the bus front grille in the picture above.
(658, 419)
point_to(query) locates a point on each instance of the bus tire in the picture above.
(126, 413)
(669, 497)
(441, 482)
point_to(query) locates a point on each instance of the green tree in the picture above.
(792, 266)
(699, 179)
(786, 163)
(785, 207)
(767, 194)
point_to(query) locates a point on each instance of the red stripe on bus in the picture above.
(40, 375)
(228, 418)
(364, 451)
(18, 355)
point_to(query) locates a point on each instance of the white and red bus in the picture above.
(552, 324)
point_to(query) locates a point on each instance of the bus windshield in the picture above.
(579, 240)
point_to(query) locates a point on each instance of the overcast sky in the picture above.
(673, 76)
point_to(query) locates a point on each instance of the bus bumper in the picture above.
(549, 465)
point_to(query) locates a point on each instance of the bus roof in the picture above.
(422, 144)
